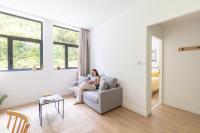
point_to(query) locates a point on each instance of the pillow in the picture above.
(103, 85)
(112, 82)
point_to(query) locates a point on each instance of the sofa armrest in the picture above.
(81, 80)
(110, 99)
(75, 83)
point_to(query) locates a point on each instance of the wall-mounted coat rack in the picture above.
(197, 47)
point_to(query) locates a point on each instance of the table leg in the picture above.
(58, 107)
(41, 115)
(63, 108)
(39, 111)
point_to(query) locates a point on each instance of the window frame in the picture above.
(11, 39)
(66, 45)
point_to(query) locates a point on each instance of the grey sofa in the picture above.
(102, 100)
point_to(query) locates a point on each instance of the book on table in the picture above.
(50, 98)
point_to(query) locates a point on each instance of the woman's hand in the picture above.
(91, 82)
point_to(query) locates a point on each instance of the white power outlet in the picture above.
(141, 63)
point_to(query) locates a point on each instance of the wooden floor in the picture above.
(82, 119)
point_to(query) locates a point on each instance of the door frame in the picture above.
(160, 69)
(149, 71)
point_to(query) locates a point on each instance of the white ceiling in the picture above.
(80, 13)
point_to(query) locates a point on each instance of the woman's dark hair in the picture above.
(95, 70)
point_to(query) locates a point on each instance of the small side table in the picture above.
(55, 98)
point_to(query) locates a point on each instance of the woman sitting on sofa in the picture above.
(91, 84)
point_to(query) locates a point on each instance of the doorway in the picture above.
(156, 71)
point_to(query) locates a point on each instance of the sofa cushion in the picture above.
(112, 82)
(103, 85)
(91, 95)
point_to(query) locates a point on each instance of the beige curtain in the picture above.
(84, 52)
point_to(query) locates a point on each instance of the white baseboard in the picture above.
(14, 103)
(182, 107)
(137, 110)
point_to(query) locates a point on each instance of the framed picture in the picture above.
(154, 55)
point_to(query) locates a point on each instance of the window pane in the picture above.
(58, 56)
(65, 36)
(72, 57)
(15, 26)
(3, 54)
(26, 54)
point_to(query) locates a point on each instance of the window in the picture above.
(3, 53)
(59, 55)
(20, 43)
(72, 57)
(26, 51)
(65, 50)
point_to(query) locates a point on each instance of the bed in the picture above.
(155, 81)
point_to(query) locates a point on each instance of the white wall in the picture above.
(181, 69)
(26, 86)
(119, 46)
(115, 52)
(162, 10)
